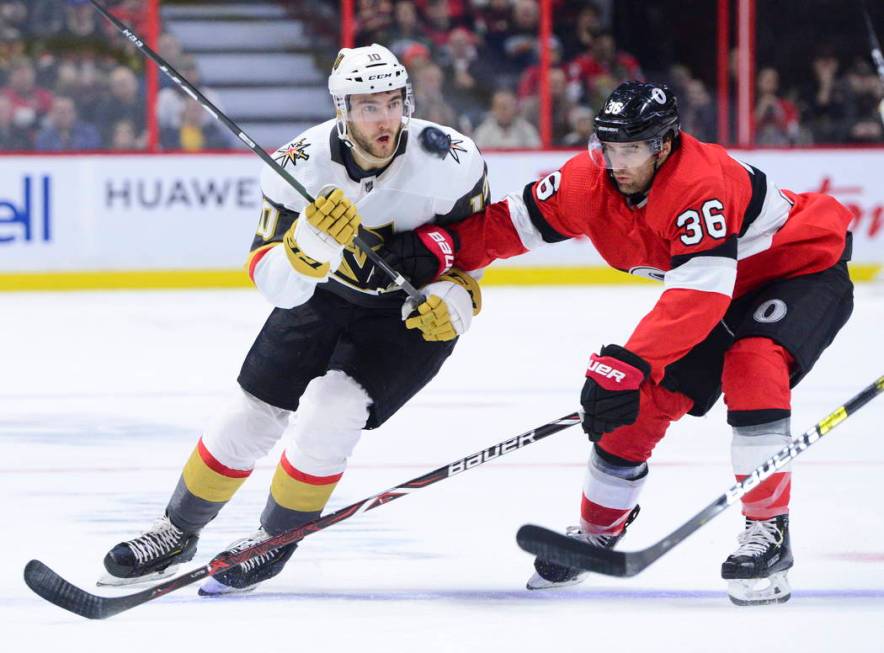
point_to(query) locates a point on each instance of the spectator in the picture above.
(192, 135)
(504, 127)
(45, 17)
(123, 103)
(824, 101)
(171, 101)
(12, 47)
(578, 36)
(582, 128)
(698, 116)
(429, 101)
(374, 18)
(469, 76)
(865, 119)
(438, 22)
(415, 57)
(30, 103)
(776, 118)
(561, 106)
(12, 138)
(493, 23)
(407, 29)
(64, 131)
(14, 15)
(520, 46)
(601, 69)
(529, 82)
(80, 24)
(123, 136)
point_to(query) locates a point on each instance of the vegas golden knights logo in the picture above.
(294, 152)
(356, 270)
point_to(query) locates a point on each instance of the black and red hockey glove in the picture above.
(422, 255)
(610, 396)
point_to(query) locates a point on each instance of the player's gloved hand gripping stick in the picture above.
(192, 91)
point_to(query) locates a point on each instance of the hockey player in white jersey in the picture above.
(334, 357)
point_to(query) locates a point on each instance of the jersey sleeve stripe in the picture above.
(758, 180)
(716, 274)
(727, 249)
(548, 234)
(473, 201)
(519, 215)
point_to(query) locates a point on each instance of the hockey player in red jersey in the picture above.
(755, 288)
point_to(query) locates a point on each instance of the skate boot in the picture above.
(245, 576)
(154, 554)
(756, 571)
(549, 575)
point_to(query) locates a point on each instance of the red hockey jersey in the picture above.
(711, 228)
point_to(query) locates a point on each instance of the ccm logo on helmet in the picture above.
(606, 371)
(383, 76)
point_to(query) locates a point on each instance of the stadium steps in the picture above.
(257, 58)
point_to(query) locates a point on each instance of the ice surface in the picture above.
(103, 395)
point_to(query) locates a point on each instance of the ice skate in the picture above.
(550, 575)
(756, 572)
(246, 576)
(153, 555)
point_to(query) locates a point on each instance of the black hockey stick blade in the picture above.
(577, 554)
(55, 589)
(568, 551)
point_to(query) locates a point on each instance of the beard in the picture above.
(372, 147)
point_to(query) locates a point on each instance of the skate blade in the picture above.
(115, 581)
(538, 582)
(213, 589)
(759, 591)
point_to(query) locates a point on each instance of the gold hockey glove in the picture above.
(449, 309)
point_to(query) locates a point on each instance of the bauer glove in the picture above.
(449, 309)
(316, 240)
(422, 255)
(610, 396)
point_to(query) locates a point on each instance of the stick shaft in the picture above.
(55, 589)
(218, 115)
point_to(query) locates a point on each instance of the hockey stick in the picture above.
(55, 589)
(216, 113)
(574, 553)
(877, 57)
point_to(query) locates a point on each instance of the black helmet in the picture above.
(638, 111)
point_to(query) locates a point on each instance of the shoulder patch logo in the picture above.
(295, 151)
(437, 142)
(455, 148)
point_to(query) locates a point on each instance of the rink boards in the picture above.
(100, 221)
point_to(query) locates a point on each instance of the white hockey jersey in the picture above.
(437, 176)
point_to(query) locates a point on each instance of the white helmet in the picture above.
(369, 69)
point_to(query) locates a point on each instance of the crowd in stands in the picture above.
(475, 64)
(69, 81)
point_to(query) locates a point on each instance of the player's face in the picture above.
(375, 121)
(632, 165)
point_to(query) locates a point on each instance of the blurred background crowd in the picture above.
(69, 81)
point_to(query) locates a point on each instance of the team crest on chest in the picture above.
(355, 269)
(295, 151)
